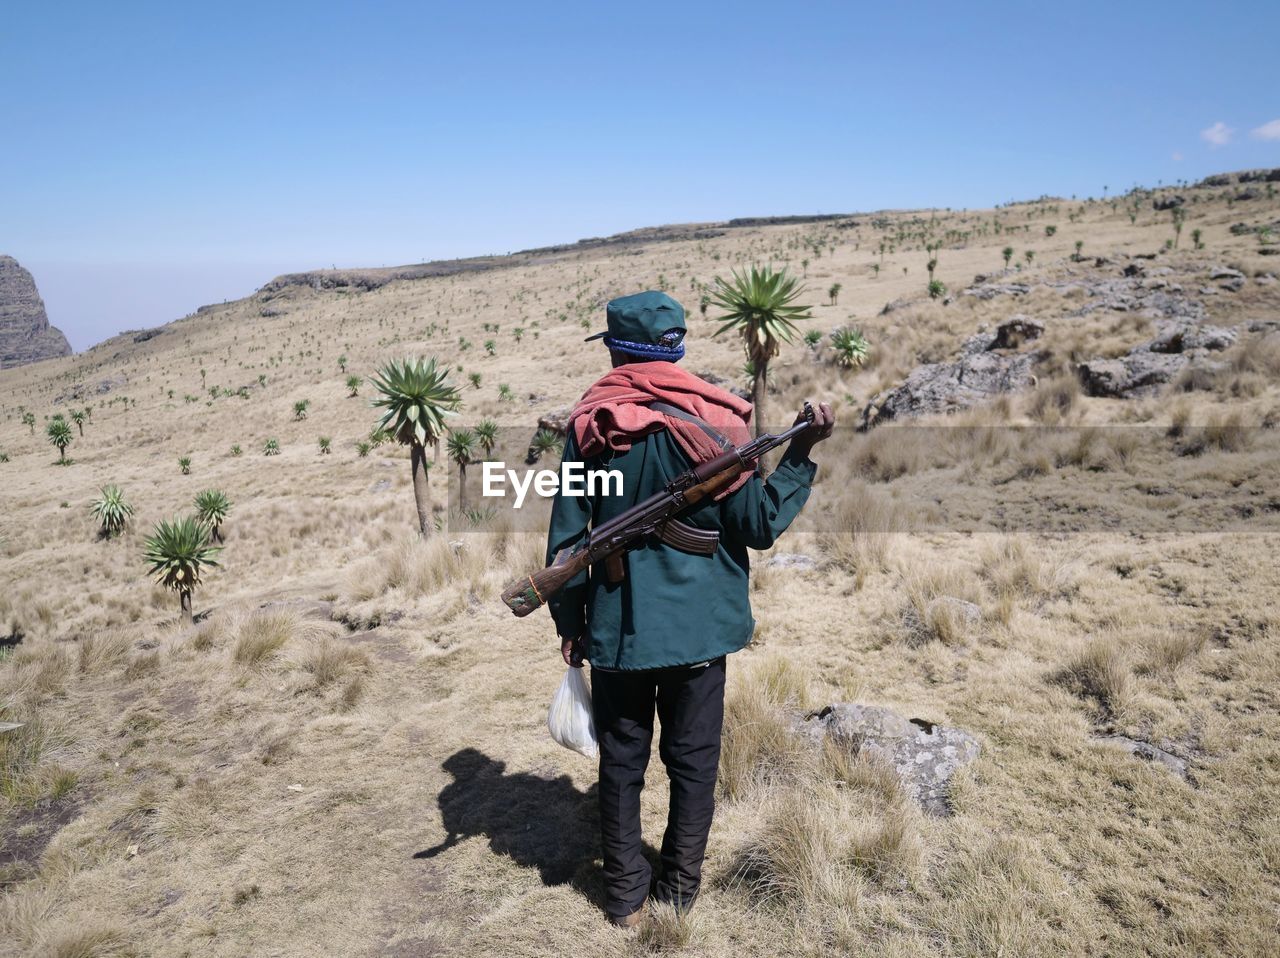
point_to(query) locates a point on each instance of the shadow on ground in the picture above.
(539, 822)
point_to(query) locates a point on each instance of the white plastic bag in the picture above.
(570, 717)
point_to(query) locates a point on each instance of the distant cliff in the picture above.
(25, 333)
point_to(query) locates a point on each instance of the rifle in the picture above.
(654, 516)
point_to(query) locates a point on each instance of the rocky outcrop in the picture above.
(987, 367)
(1246, 229)
(25, 333)
(1188, 337)
(1132, 376)
(1242, 176)
(1177, 346)
(1013, 332)
(1139, 289)
(556, 421)
(1148, 753)
(82, 391)
(924, 754)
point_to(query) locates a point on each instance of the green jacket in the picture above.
(672, 608)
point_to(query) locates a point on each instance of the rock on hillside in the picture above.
(25, 333)
(988, 366)
(1242, 176)
(925, 755)
(1147, 367)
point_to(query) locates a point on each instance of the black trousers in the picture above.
(690, 705)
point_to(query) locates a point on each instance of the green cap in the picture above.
(644, 318)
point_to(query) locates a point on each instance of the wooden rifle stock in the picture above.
(524, 595)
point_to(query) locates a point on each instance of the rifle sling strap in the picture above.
(676, 413)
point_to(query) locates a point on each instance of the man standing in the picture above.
(656, 628)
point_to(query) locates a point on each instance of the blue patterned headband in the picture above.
(671, 348)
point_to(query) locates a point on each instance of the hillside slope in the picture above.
(347, 754)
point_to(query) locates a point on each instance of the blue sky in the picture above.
(161, 156)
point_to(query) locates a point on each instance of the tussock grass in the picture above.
(665, 929)
(189, 813)
(886, 846)
(36, 671)
(1015, 570)
(30, 760)
(780, 683)
(1054, 399)
(28, 921)
(261, 637)
(935, 609)
(863, 526)
(263, 633)
(418, 567)
(996, 899)
(140, 666)
(1168, 652)
(83, 941)
(98, 652)
(861, 771)
(759, 743)
(1101, 671)
(834, 827)
(1179, 419)
(1251, 367)
(278, 748)
(1120, 446)
(1227, 433)
(330, 660)
(1260, 356)
(352, 691)
(888, 453)
(1078, 449)
(794, 855)
(208, 634)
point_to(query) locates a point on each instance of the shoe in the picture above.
(630, 921)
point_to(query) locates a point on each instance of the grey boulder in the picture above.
(1147, 367)
(949, 387)
(964, 613)
(1184, 337)
(925, 755)
(1137, 374)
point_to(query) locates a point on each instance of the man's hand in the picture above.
(571, 649)
(824, 421)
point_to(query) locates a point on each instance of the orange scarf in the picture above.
(614, 412)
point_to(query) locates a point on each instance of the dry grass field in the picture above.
(347, 755)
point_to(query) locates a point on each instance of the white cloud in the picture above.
(1177, 157)
(1268, 131)
(1217, 135)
